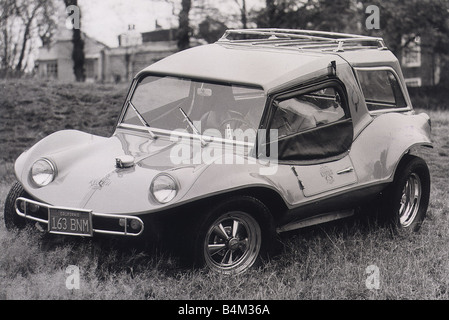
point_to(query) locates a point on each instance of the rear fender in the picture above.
(377, 151)
(412, 138)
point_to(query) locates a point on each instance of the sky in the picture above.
(104, 20)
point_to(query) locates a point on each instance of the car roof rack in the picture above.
(301, 39)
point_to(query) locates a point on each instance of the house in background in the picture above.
(135, 52)
(55, 61)
(420, 65)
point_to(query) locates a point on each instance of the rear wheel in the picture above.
(406, 200)
(12, 220)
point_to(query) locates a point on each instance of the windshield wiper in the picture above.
(194, 129)
(144, 122)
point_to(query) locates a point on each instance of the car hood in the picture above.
(87, 175)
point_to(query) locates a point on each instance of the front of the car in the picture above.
(189, 143)
(171, 129)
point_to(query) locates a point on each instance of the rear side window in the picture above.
(381, 90)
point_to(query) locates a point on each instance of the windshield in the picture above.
(225, 111)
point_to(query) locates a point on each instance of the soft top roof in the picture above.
(265, 63)
(262, 67)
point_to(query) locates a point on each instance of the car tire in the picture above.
(234, 236)
(12, 220)
(405, 202)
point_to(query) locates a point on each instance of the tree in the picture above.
(27, 12)
(211, 30)
(20, 24)
(402, 22)
(271, 13)
(324, 15)
(243, 13)
(78, 46)
(184, 25)
(7, 13)
(46, 25)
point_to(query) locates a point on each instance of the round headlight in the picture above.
(164, 188)
(43, 172)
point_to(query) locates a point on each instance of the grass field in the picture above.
(324, 262)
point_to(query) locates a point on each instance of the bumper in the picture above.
(71, 221)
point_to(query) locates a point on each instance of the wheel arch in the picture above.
(268, 197)
(416, 150)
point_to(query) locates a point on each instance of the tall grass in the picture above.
(327, 262)
(323, 262)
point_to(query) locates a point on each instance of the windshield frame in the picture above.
(185, 134)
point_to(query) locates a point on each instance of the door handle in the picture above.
(347, 170)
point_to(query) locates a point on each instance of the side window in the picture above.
(308, 111)
(312, 125)
(381, 89)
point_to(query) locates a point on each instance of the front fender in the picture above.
(75, 142)
(222, 178)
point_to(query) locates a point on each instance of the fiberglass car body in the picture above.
(221, 146)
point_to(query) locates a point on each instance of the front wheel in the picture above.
(12, 220)
(233, 236)
(406, 200)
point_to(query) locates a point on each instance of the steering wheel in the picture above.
(242, 121)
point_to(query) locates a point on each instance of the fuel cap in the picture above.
(124, 161)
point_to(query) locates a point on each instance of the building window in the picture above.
(413, 82)
(411, 54)
(52, 69)
(91, 66)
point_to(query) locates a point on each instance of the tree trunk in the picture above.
(271, 13)
(26, 36)
(244, 15)
(78, 48)
(184, 27)
(28, 20)
(5, 63)
(78, 56)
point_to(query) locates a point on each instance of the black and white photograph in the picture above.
(224, 156)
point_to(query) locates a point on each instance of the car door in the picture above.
(314, 135)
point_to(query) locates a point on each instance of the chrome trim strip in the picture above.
(26, 215)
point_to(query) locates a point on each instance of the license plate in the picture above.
(70, 222)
